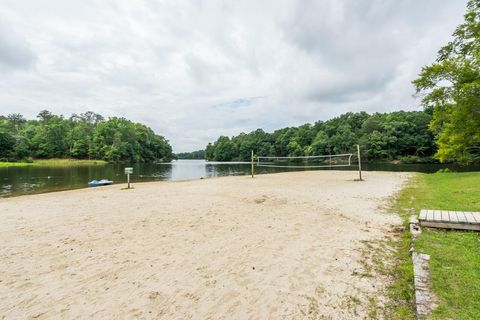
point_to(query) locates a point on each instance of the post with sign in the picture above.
(128, 172)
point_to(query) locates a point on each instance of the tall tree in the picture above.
(7, 143)
(451, 86)
(16, 121)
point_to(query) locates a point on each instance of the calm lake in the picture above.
(35, 179)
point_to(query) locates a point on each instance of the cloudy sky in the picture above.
(194, 70)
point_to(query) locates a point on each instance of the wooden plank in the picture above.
(441, 214)
(461, 217)
(444, 225)
(448, 219)
(453, 216)
(430, 215)
(470, 218)
(423, 214)
(445, 216)
(476, 215)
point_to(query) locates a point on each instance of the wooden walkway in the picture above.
(450, 219)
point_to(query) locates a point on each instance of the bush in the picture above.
(416, 159)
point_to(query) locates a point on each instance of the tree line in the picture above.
(383, 136)
(84, 136)
(194, 155)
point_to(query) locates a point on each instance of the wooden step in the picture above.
(463, 220)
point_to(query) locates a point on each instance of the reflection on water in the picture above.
(32, 179)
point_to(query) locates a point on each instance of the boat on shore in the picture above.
(99, 183)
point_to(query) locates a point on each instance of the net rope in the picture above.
(270, 161)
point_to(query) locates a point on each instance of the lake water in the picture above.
(35, 179)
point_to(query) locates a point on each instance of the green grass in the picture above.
(53, 163)
(400, 304)
(455, 255)
(14, 164)
(455, 267)
(451, 191)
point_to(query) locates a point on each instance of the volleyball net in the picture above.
(323, 161)
(311, 162)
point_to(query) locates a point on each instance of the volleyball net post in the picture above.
(253, 166)
(359, 164)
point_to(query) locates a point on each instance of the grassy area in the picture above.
(400, 304)
(455, 255)
(455, 263)
(53, 163)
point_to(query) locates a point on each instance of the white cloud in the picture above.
(194, 70)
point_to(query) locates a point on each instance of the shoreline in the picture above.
(165, 181)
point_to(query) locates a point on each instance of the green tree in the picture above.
(119, 139)
(320, 144)
(294, 149)
(386, 136)
(7, 143)
(50, 137)
(194, 155)
(281, 139)
(210, 152)
(80, 141)
(15, 122)
(114, 140)
(377, 145)
(451, 86)
(80, 136)
(225, 149)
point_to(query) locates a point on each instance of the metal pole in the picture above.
(128, 180)
(253, 172)
(359, 163)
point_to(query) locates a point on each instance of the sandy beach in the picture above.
(280, 246)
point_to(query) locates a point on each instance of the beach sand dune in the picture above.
(280, 246)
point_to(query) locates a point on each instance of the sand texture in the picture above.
(280, 246)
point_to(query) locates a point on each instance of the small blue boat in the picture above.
(98, 183)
